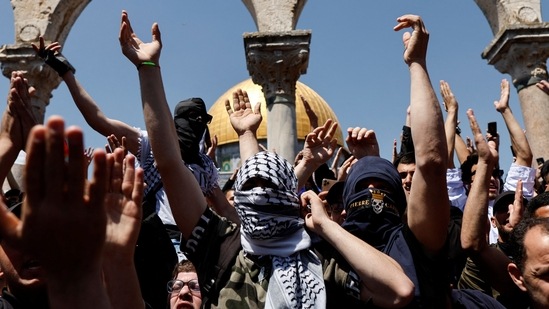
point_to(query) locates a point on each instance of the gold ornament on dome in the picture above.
(221, 126)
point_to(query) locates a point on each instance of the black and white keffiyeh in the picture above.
(205, 173)
(271, 226)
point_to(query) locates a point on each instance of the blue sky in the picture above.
(355, 59)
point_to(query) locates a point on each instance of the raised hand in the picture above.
(211, 150)
(313, 118)
(42, 50)
(123, 204)
(88, 154)
(503, 102)
(449, 100)
(58, 204)
(362, 142)
(243, 118)
(517, 209)
(320, 144)
(394, 152)
(415, 44)
(335, 161)
(114, 143)
(344, 168)
(20, 109)
(53, 57)
(137, 51)
(470, 145)
(485, 152)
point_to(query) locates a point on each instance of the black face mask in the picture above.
(372, 216)
(191, 120)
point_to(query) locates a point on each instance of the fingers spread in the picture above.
(228, 107)
(257, 108)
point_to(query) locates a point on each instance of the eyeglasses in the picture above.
(196, 116)
(174, 286)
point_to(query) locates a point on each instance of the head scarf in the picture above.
(191, 120)
(373, 213)
(271, 226)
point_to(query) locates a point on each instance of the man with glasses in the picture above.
(183, 289)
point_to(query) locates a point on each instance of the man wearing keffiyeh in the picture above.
(246, 269)
(271, 226)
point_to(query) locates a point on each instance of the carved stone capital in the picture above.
(521, 51)
(277, 60)
(40, 76)
(503, 13)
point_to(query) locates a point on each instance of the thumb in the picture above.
(156, 33)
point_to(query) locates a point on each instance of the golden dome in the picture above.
(221, 126)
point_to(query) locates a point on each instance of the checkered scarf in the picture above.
(271, 226)
(204, 171)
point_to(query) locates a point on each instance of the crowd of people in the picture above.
(152, 228)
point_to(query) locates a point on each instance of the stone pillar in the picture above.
(276, 56)
(51, 19)
(520, 48)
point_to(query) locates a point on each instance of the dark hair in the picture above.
(183, 266)
(467, 166)
(517, 238)
(537, 202)
(405, 158)
(544, 170)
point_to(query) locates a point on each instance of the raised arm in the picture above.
(462, 151)
(61, 205)
(428, 197)
(474, 227)
(123, 207)
(382, 279)
(245, 122)
(362, 142)
(85, 103)
(184, 194)
(519, 142)
(11, 133)
(319, 147)
(313, 118)
(451, 106)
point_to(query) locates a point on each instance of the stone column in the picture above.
(520, 48)
(51, 19)
(276, 56)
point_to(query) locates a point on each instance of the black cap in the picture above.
(501, 204)
(335, 194)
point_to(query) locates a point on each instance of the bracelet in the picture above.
(147, 63)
